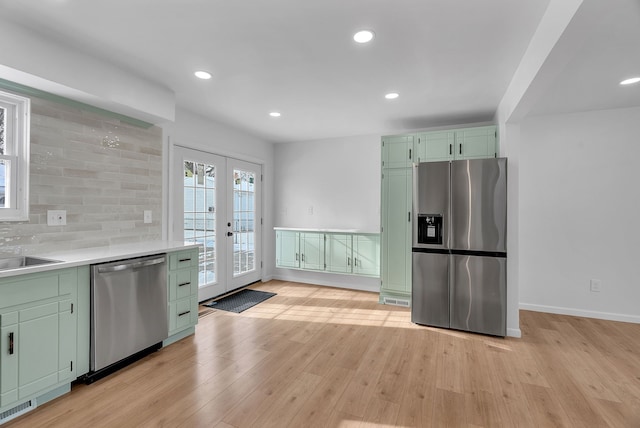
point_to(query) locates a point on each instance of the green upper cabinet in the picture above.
(397, 151)
(435, 146)
(476, 143)
(467, 143)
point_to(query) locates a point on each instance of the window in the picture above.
(14, 157)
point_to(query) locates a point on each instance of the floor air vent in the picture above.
(20, 409)
(396, 302)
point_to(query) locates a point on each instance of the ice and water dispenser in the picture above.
(430, 229)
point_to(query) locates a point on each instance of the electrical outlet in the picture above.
(147, 216)
(595, 285)
(56, 217)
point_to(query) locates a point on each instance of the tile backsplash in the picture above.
(103, 172)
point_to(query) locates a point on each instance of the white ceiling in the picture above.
(450, 60)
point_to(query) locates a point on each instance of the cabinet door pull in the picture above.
(184, 313)
(184, 260)
(348, 261)
(460, 148)
(11, 343)
(297, 257)
(355, 262)
(450, 149)
(183, 284)
(409, 154)
(303, 257)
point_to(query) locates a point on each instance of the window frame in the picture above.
(17, 151)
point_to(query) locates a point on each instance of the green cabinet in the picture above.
(339, 255)
(396, 234)
(366, 254)
(312, 251)
(287, 249)
(397, 151)
(182, 283)
(435, 146)
(466, 143)
(38, 324)
(396, 194)
(476, 143)
(300, 250)
(357, 254)
(329, 251)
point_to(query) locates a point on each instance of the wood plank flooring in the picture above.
(324, 357)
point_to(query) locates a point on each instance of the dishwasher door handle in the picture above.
(126, 266)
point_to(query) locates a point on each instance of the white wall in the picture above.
(193, 131)
(38, 62)
(579, 207)
(332, 183)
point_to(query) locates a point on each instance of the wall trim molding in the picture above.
(581, 313)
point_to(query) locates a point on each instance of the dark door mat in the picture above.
(240, 301)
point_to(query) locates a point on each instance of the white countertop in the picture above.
(86, 256)
(307, 229)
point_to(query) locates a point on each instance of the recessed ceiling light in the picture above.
(363, 36)
(275, 114)
(630, 81)
(203, 74)
(392, 95)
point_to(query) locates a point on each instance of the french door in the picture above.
(217, 204)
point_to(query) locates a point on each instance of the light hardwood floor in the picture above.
(318, 356)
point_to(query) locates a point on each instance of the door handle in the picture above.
(229, 233)
(11, 343)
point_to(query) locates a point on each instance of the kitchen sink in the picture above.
(23, 261)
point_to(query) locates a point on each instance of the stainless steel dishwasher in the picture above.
(128, 311)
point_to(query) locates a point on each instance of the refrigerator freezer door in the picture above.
(430, 289)
(431, 198)
(478, 294)
(478, 205)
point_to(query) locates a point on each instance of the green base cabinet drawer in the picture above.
(182, 314)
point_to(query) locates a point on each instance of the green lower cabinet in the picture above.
(182, 314)
(312, 251)
(38, 346)
(287, 249)
(339, 253)
(182, 284)
(366, 255)
(336, 252)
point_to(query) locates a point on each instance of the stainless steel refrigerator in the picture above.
(459, 245)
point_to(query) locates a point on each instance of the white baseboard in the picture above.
(514, 332)
(375, 288)
(581, 313)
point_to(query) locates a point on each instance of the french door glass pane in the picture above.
(243, 221)
(200, 216)
(5, 183)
